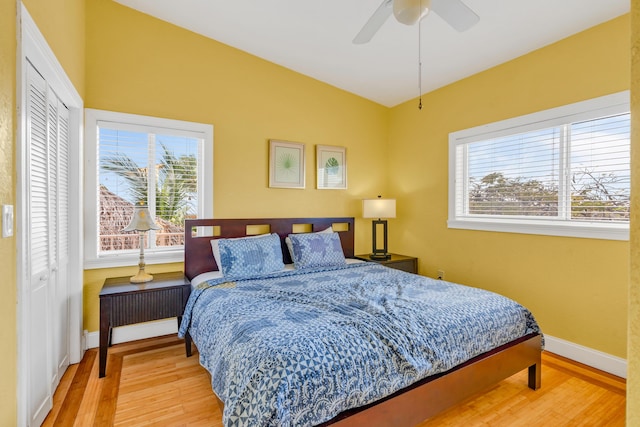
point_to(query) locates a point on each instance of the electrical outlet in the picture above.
(440, 275)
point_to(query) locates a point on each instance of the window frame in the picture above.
(616, 103)
(92, 257)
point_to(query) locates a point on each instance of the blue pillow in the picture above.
(316, 250)
(249, 257)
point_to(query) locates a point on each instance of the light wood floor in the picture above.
(152, 383)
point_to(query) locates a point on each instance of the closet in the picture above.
(49, 223)
(47, 241)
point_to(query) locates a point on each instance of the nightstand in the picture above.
(124, 303)
(399, 262)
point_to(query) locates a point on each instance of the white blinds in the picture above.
(574, 171)
(155, 166)
(600, 169)
(515, 175)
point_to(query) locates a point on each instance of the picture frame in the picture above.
(286, 164)
(331, 167)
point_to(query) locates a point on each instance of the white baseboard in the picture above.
(594, 358)
(135, 332)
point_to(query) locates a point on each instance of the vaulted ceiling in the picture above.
(315, 37)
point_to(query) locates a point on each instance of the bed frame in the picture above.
(411, 405)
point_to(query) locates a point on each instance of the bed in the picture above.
(341, 343)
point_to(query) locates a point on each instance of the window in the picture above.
(165, 164)
(564, 171)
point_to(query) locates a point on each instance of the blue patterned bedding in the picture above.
(299, 347)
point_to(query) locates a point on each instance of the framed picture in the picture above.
(286, 164)
(332, 167)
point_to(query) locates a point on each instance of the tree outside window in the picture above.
(157, 170)
(564, 171)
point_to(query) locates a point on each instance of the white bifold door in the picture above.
(47, 173)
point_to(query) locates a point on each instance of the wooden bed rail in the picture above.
(414, 404)
(427, 398)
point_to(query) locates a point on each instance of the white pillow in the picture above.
(216, 249)
(287, 240)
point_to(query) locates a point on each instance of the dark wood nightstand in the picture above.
(124, 303)
(399, 262)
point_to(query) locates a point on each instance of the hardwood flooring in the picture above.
(152, 383)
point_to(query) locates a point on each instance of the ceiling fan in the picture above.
(409, 12)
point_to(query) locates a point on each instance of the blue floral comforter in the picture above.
(298, 348)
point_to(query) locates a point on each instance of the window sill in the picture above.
(130, 259)
(588, 230)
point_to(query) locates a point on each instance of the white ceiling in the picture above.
(315, 37)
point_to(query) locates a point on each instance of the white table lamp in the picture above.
(141, 222)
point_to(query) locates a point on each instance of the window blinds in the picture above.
(575, 171)
(154, 166)
(515, 175)
(600, 169)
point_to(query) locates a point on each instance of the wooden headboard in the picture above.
(198, 256)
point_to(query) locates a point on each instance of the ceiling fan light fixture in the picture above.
(409, 12)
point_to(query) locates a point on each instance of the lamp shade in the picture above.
(409, 12)
(141, 220)
(379, 208)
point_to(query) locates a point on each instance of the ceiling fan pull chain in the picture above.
(420, 63)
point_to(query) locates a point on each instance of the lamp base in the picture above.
(141, 277)
(379, 257)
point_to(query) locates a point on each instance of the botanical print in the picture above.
(332, 167)
(286, 164)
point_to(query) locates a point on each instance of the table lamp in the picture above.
(379, 208)
(141, 222)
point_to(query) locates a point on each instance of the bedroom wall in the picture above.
(139, 64)
(8, 356)
(62, 23)
(576, 288)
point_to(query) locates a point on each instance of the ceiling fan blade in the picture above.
(374, 23)
(456, 13)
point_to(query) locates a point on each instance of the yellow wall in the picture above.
(145, 66)
(633, 353)
(577, 288)
(8, 338)
(62, 23)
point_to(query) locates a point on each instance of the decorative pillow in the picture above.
(216, 249)
(316, 250)
(250, 256)
(287, 240)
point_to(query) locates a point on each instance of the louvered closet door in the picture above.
(48, 187)
(40, 338)
(61, 308)
(58, 137)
